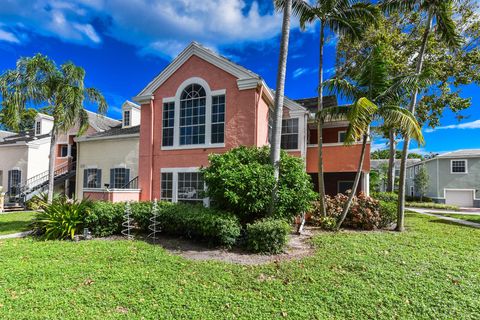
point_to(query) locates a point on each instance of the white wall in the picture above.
(106, 154)
(13, 157)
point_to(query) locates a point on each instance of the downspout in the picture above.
(152, 109)
(256, 115)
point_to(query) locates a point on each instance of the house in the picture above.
(202, 103)
(454, 178)
(381, 167)
(107, 161)
(24, 158)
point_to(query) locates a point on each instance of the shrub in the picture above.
(327, 223)
(432, 205)
(62, 219)
(385, 196)
(267, 236)
(417, 199)
(105, 218)
(388, 213)
(195, 221)
(241, 181)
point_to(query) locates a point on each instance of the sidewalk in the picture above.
(431, 213)
(15, 235)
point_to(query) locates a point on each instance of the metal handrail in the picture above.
(132, 184)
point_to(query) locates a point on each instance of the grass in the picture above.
(431, 205)
(467, 217)
(429, 271)
(15, 222)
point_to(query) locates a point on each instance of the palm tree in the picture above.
(372, 88)
(279, 98)
(38, 80)
(441, 12)
(341, 17)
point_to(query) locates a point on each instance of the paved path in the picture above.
(15, 235)
(459, 221)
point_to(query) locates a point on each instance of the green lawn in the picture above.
(468, 217)
(430, 271)
(15, 222)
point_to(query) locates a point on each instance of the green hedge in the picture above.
(388, 213)
(267, 236)
(385, 196)
(431, 205)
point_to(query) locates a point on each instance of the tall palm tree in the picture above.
(376, 96)
(279, 97)
(439, 12)
(341, 17)
(38, 80)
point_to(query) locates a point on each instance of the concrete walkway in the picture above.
(15, 235)
(431, 213)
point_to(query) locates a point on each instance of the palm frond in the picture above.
(391, 6)
(403, 120)
(342, 88)
(446, 25)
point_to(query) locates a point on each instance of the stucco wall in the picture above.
(104, 155)
(338, 158)
(15, 157)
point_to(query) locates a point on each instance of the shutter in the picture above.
(85, 178)
(10, 181)
(112, 172)
(99, 178)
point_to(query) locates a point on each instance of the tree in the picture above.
(421, 182)
(385, 154)
(27, 120)
(279, 97)
(340, 17)
(441, 12)
(371, 88)
(38, 80)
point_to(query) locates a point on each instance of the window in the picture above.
(344, 186)
(218, 119)
(416, 169)
(459, 166)
(14, 181)
(190, 187)
(412, 191)
(119, 177)
(166, 186)
(38, 127)
(126, 118)
(192, 115)
(410, 170)
(92, 178)
(289, 134)
(63, 151)
(342, 135)
(168, 123)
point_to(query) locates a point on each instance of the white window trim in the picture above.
(417, 169)
(208, 115)
(68, 151)
(175, 171)
(466, 166)
(39, 124)
(338, 135)
(129, 118)
(299, 135)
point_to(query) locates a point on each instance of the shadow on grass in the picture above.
(9, 227)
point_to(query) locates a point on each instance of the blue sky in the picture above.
(123, 44)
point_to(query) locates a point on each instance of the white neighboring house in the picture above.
(454, 178)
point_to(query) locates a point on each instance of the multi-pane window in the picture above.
(168, 122)
(14, 180)
(459, 166)
(289, 134)
(342, 135)
(218, 119)
(166, 186)
(38, 127)
(190, 187)
(92, 178)
(119, 177)
(192, 115)
(63, 151)
(126, 118)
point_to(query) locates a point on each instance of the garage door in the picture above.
(461, 198)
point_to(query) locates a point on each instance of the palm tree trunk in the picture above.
(355, 183)
(413, 104)
(51, 166)
(391, 161)
(321, 177)
(279, 98)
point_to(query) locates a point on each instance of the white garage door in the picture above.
(461, 198)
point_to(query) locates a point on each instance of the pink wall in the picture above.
(338, 158)
(112, 196)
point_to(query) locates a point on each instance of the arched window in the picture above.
(192, 115)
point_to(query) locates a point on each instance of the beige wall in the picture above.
(105, 155)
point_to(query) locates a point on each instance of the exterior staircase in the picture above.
(16, 198)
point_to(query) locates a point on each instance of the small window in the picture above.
(459, 166)
(344, 186)
(342, 135)
(126, 118)
(38, 127)
(63, 151)
(119, 177)
(190, 187)
(92, 178)
(289, 134)
(168, 123)
(167, 186)
(218, 119)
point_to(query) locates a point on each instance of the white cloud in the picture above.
(467, 125)
(8, 37)
(161, 27)
(300, 71)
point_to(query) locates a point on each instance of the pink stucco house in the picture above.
(203, 103)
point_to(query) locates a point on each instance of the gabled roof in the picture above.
(466, 153)
(115, 132)
(311, 103)
(24, 136)
(202, 52)
(100, 122)
(129, 103)
(4, 134)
